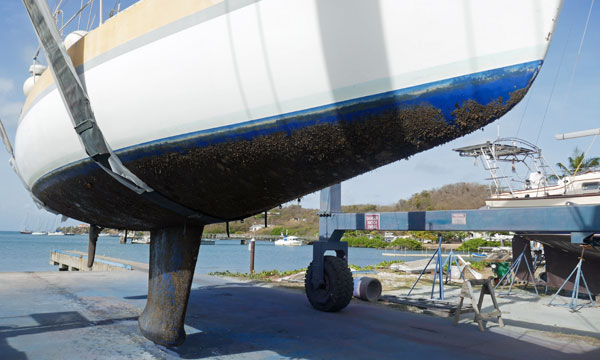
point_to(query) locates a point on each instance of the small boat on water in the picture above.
(289, 240)
(538, 185)
(56, 233)
(38, 233)
(141, 239)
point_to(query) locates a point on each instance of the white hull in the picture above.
(582, 189)
(272, 57)
(289, 241)
(544, 201)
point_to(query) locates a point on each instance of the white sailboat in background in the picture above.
(25, 228)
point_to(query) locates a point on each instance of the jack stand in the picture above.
(575, 293)
(438, 274)
(512, 273)
(449, 261)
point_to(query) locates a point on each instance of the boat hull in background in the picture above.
(234, 108)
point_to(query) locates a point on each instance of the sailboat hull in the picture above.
(240, 106)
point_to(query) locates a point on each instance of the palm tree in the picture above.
(578, 163)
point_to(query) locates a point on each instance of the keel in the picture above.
(173, 254)
(93, 238)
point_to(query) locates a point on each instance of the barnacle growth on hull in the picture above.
(232, 178)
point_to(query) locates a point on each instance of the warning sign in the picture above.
(371, 221)
(459, 219)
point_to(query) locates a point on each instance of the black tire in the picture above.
(336, 291)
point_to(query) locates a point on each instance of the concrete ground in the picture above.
(75, 315)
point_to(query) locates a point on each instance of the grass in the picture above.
(478, 265)
(381, 265)
(263, 275)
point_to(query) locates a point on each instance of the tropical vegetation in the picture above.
(577, 163)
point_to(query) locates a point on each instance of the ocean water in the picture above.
(20, 252)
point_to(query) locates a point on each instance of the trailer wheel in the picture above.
(336, 291)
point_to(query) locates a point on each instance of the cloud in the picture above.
(9, 110)
(6, 86)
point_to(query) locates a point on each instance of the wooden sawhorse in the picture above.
(486, 288)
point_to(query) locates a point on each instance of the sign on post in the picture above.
(372, 221)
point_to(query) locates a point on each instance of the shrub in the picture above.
(407, 243)
(364, 242)
(474, 244)
(276, 231)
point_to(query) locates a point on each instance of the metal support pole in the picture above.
(252, 247)
(575, 292)
(101, 12)
(512, 273)
(329, 236)
(439, 270)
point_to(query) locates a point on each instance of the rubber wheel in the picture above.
(336, 291)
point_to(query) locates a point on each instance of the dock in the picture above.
(77, 261)
(421, 255)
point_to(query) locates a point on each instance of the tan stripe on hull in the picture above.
(135, 21)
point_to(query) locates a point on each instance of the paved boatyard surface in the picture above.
(77, 315)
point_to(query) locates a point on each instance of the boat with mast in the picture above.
(274, 90)
(531, 181)
(172, 115)
(25, 228)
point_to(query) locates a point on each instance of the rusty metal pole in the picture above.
(252, 247)
(173, 255)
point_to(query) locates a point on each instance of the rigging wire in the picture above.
(587, 21)
(572, 72)
(523, 115)
(562, 57)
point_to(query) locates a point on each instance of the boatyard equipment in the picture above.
(450, 260)
(500, 269)
(438, 273)
(578, 220)
(511, 275)
(486, 288)
(575, 293)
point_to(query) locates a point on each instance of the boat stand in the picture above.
(511, 274)
(438, 274)
(575, 293)
(452, 259)
(486, 289)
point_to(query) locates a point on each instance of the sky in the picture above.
(564, 98)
